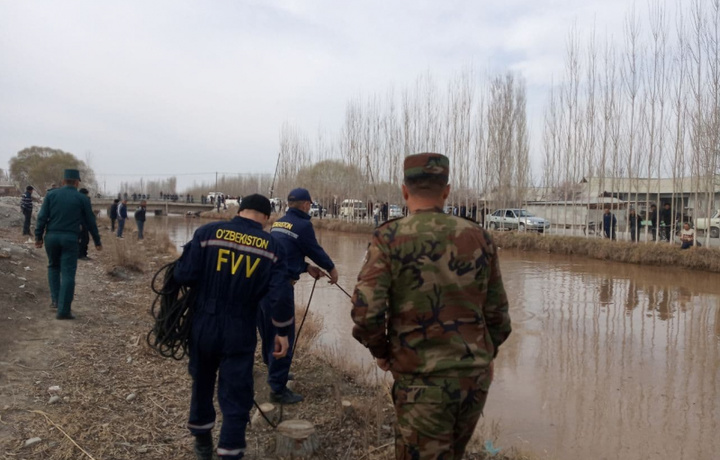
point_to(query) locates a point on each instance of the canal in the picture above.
(606, 360)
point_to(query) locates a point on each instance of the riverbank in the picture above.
(663, 255)
(117, 398)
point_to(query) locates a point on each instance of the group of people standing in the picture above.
(429, 305)
(660, 224)
(118, 212)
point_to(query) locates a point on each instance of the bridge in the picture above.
(157, 207)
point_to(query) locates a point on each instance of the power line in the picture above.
(182, 174)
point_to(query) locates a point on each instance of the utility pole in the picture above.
(216, 190)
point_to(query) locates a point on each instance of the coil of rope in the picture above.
(172, 311)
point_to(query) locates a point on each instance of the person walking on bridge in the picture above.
(296, 235)
(58, 226)
(431, 307)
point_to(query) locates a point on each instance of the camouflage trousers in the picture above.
(436, 416)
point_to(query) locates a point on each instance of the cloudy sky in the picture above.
(190, 87)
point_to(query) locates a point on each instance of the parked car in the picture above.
(394, 211)
(315, 210)
(353, 209)
(517, 219)
(703, 223)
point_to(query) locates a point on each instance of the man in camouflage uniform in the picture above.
(431, 307)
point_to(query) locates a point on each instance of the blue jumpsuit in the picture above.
(296, 235)
(232, 265)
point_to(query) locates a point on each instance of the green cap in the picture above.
(424, 165)
(71, 174)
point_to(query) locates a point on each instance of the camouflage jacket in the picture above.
(430, 297)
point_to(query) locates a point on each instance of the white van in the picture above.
(353, 209)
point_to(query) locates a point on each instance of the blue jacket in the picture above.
(609, 221)
(122, 211)
(233, 265)
(297, 236)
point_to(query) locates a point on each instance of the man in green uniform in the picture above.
(62, 214)
(431, 307)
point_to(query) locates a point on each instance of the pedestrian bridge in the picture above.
(157, 207)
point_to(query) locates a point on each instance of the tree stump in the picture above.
(346, 408)
(296, 439)
(271, 411)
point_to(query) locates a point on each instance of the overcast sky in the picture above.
(179, 87)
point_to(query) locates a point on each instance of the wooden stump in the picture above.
(271, 411)
(296, 439)
(346, 408)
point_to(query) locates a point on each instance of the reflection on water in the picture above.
(179, 228)
(606, 360)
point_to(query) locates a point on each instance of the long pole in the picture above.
(216, 187)
(272, 186)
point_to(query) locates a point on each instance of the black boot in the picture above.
(204, 446)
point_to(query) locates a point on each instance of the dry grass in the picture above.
(707, 259)
(125, 255)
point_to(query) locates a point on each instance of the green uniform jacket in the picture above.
(64, 210)
(430, 297)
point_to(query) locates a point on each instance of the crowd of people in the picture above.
(662, 225)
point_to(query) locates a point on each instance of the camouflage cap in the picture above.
(424, 165)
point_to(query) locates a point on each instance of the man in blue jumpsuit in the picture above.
(63, 212)
(232, 266)
(296, 235)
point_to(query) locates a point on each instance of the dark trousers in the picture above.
(83, 241)
(121, 226)
(112, 224)
(26, 224)
(62, 252)
(278, 368)
(234, 374)
(140, 226)
(633, 234)
(666, 232)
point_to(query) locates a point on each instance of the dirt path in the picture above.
(98, 361)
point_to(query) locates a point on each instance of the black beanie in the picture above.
(256, 202)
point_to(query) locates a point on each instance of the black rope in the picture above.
(344, 291)
(297, 336)
(172, 311)
(274, 425)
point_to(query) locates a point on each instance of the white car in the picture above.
(517, 219)
(394, 211)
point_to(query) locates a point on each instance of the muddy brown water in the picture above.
(606, 360)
